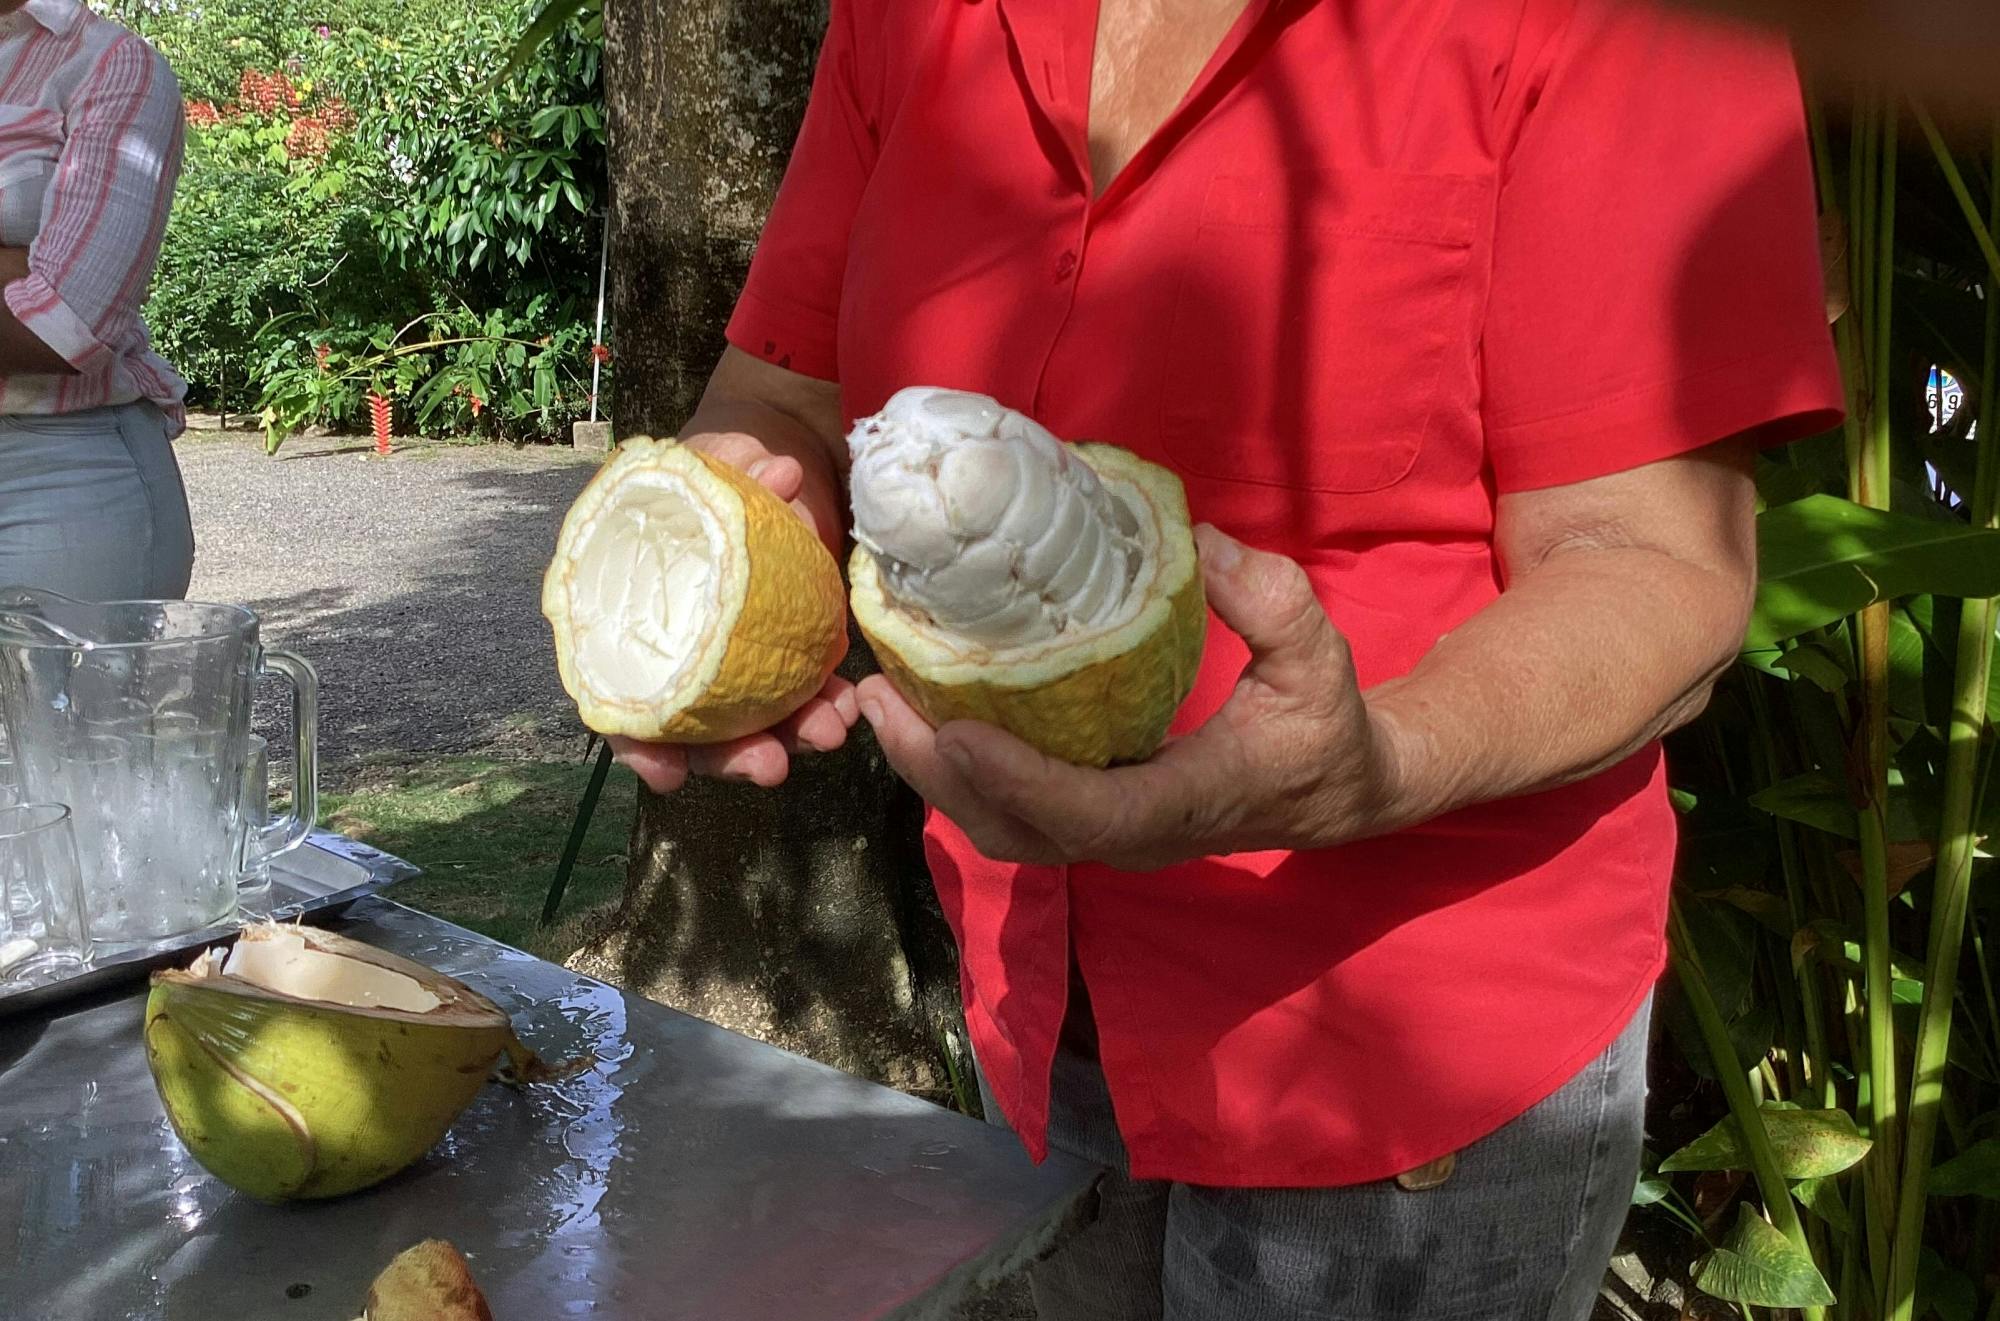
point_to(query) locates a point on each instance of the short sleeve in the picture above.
(1656, 282)
(789, 308)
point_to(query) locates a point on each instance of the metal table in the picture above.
(695, 1174)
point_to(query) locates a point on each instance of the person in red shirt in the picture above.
(1460, 323)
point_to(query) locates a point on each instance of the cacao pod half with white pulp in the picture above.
(1002, 575)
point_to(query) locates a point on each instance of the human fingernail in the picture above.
(756, 469)
(872, 713)
(958, 755)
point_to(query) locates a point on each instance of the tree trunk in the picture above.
(803, 915)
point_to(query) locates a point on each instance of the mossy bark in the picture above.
(801, 915)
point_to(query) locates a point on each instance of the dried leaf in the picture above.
(1907, 859)
(1833, 263)
(1714, 1191)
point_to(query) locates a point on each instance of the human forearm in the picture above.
(1579, 666)
(21, 350)
(752, 409)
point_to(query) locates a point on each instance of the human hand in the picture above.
(1294, 758)
(820, 725)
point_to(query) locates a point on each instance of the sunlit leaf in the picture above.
(1810, 1144)
(1822, 558)
(1758, 1265)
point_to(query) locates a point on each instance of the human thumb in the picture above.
(1268, 602)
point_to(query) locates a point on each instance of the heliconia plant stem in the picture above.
(1873, 261)
(1951, 890)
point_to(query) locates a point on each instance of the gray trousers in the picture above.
(1521, 1230)
(92, 506)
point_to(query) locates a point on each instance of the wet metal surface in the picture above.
(694, 1174)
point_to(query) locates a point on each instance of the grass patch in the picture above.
(488, 834)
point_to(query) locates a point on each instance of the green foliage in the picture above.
(1974, 1173)
(364, 210)
(1757, 1264)
(1823, 558)
(1835, 902)
(1809, 1144)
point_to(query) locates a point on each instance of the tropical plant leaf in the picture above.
(1760, 1266)
(1945, 1290)
(1814, 799)
(1823, 558)
(1822, 1198)
(546, 24)
(1974, 1172)
(1817, 663)
(1810, 1144)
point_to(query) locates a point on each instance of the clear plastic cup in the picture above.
(44, 931)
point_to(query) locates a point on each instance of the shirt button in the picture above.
(1065, 266)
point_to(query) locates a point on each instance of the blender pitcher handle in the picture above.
(290, 830)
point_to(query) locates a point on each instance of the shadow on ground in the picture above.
(458, 661)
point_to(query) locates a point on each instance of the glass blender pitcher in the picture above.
(136, 714)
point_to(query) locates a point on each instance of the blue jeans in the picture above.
(1521, 1229)
(92, 506)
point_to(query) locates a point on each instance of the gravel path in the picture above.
(411, 582)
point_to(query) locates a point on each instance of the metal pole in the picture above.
(597, 336)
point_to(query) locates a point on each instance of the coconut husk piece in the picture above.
(428, 1282)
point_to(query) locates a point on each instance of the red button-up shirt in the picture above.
(1388, 260)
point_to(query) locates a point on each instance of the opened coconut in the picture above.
(303, 1064)
(1002, 575)
(689, 603)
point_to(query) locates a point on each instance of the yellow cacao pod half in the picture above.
(689, 604)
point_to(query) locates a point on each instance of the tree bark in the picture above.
(803, 915)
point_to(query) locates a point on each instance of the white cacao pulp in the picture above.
(986, 524)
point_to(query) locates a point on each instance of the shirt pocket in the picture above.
(1316, 315)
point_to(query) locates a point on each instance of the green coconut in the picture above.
(303, 1064)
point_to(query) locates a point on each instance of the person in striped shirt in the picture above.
(91, 500)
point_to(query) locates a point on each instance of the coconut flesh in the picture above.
(285, 963)
(988, 532)
(649, 609)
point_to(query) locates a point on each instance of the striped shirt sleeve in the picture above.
(105, 209)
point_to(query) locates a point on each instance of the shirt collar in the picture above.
(58, 16)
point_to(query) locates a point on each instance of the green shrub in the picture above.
(360, 211)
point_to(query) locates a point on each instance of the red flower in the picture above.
(308, 137)
(320, 354)
(600, 352)
(477, 404)
(378, 409)
(203, 114)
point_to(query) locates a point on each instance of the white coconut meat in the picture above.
(987, 528)
(281, 960)
(653, 587)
